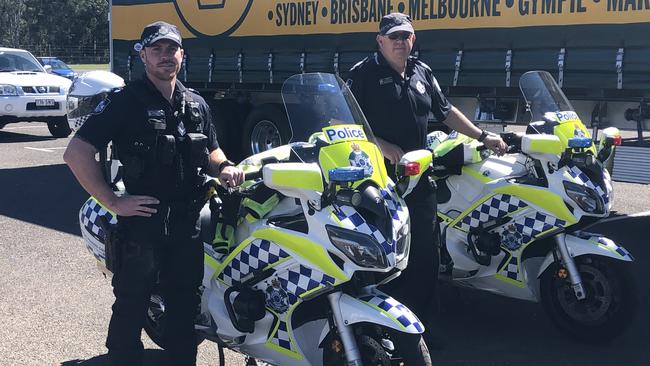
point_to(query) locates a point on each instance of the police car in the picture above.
(29, 93)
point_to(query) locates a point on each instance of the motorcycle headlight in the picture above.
(8, 90)
(587, 198)
(360, 248)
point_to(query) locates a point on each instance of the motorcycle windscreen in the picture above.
(542, 94)
(317, 101)
(550, 108)
(322, 111)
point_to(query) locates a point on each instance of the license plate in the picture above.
(44, 102)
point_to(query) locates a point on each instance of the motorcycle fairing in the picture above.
(90, 229)
(347, 153)
(388, 312)
(596, 244)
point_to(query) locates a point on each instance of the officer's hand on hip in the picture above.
(390, 151)
(231, 176)
(496, 144)
(134, 206)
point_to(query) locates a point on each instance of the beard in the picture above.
(165, 72)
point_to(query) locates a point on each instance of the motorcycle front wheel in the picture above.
(410, 350)
(610, 305)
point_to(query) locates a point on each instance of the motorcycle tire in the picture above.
(411, 350)
(154, 321)
(610, 305)
(372, 353)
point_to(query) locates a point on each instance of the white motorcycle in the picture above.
(514, 225)
(298, 285)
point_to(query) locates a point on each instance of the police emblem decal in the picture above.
(511, 238)
(101, 106)
(276, 297)
(360, 159)
(420, 87)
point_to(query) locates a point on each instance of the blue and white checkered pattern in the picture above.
(257, 255)
(298, 280)
(352, 220)
(511, 269)
(89, 213)
(494, 207)
(395, 207)
(581, 178)
(611, 244)
(531, 226)
(281, 336)
(398, 311)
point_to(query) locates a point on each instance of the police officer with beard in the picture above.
(163, 135)
(397, 93)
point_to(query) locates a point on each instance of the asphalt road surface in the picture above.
(55, 304)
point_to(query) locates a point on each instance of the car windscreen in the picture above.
(18, 61)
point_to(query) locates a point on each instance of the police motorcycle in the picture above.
(297, 281)
(516, 225)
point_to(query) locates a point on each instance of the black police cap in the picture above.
(395, 22)
(156, 31)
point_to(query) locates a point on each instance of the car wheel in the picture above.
(59, 126)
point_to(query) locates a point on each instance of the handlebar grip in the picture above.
(253, 175)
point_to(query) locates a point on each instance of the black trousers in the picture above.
(417, 286)
(174, 264)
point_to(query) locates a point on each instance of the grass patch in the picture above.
(89, 67)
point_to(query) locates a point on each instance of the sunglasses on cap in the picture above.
(402, 36)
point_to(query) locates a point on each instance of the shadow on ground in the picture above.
(12, 137)
(47, 196)
(152, 357)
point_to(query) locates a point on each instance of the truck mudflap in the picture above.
(377, 308)
(590, 243)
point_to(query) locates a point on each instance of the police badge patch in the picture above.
(360, 159)
(276, 298)
(420, 87)
(511, 238)
(101, 106)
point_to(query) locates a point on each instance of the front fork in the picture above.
(352, 353)
(570, 264)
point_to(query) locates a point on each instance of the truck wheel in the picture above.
(266, 127)
(59, 126)
(609, 307)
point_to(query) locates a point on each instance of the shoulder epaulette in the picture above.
(420, 63)
(358, 64)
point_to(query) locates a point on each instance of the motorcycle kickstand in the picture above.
(569, 263)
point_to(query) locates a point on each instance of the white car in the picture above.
(29, 93)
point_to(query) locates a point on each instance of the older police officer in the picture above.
(163, 135)
(397, 93)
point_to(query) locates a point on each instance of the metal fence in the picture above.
(72, 54)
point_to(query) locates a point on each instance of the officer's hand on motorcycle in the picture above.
(134, 206)
(231, 176)
(496, 144)
(391, 152)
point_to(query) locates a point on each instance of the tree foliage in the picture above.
(54, 23)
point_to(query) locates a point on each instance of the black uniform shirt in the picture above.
(124, 117)
(397, 108)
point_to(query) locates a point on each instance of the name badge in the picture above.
(157, 119)
(341, 133)
(385, 81)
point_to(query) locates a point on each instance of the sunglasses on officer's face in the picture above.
(402, 36)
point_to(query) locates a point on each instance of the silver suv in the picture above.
(29, 93)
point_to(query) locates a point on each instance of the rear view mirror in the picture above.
(48, 69)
